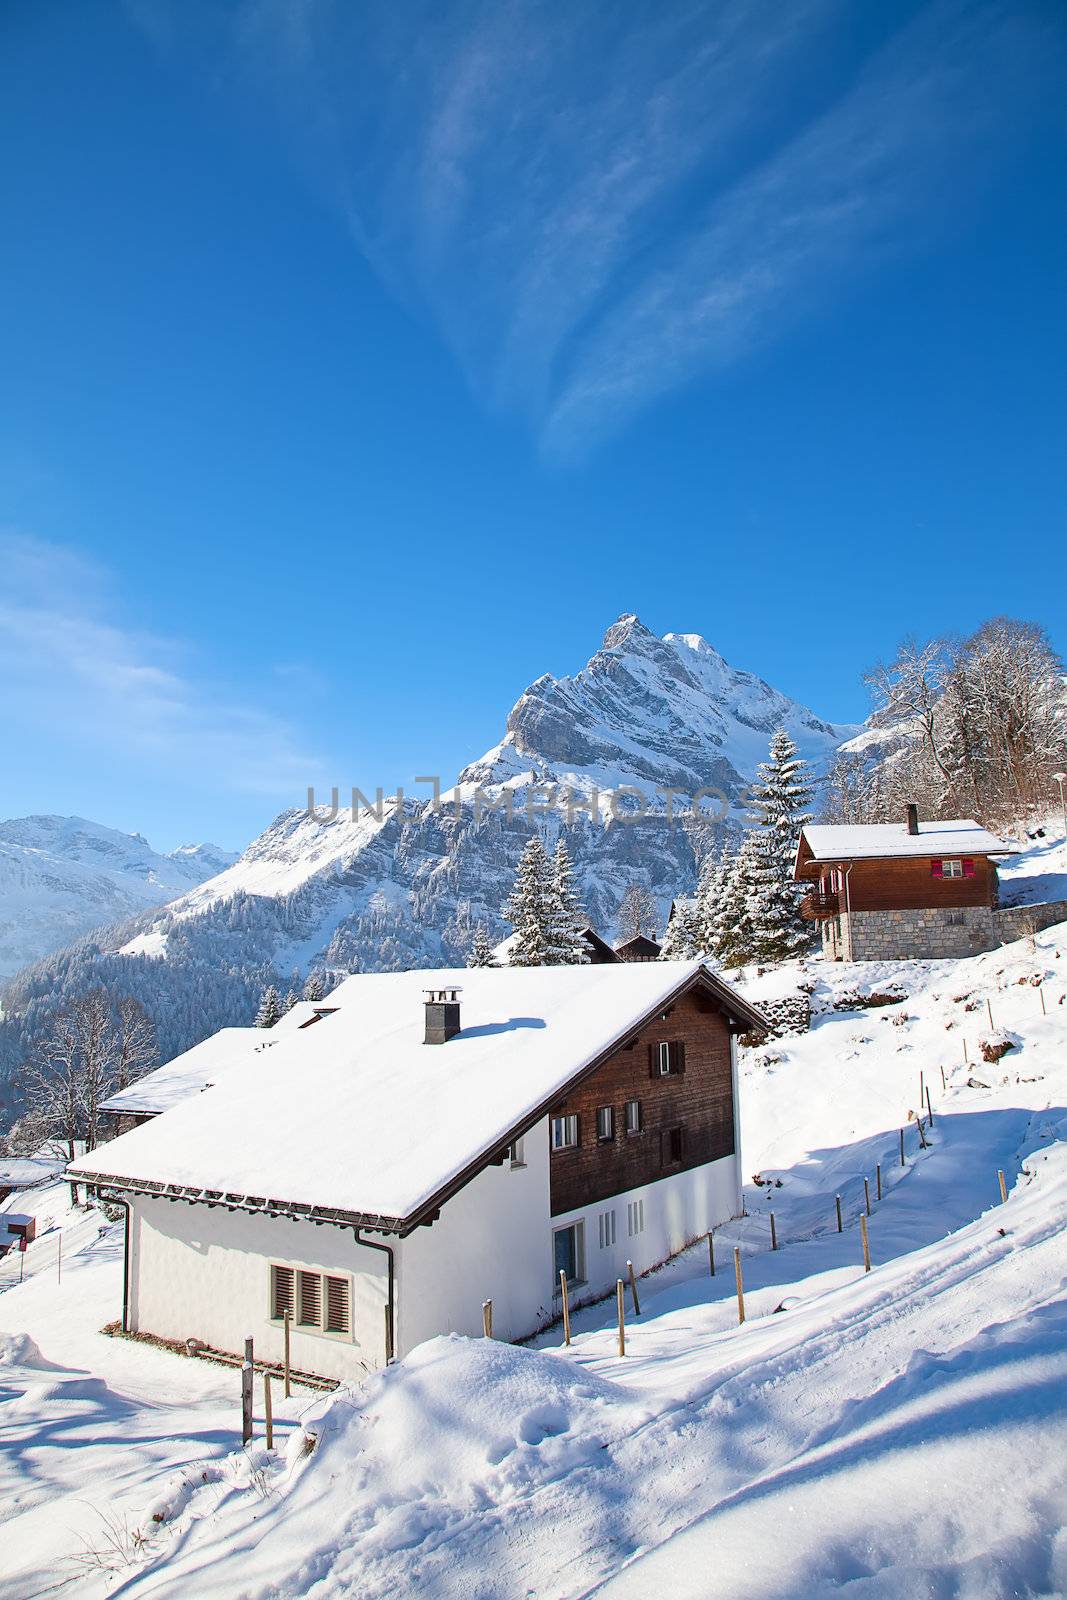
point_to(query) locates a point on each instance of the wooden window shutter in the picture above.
(283, 1286)
(679, 1051)
(653, 1061)
(338, 1306)
(310, 1300)
(936, 870)
(968, 869)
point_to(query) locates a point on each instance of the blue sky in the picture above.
(363, 362)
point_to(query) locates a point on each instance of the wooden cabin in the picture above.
(896, 891)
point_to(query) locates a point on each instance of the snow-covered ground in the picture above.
(901, 1433)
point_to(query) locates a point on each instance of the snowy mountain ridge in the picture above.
(62, 876)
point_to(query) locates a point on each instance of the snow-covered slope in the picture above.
(897, 1433)
(62, 876)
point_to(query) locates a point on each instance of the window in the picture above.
(668, 1058)
(673, 1145)
(952, 869)
(633, 1116)
(606, 1224)
(314, 1300)
(605, 1124)
(635, 1217)
(516, 1155)
(564, 1133)
(568, 1245)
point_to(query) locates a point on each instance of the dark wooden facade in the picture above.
(687, 1119)
(900, 883)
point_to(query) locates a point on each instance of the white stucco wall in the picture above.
(676, 1210)
(204, 1273)
(488, 1244)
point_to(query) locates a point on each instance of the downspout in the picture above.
(113, 1200)
(390, 1331)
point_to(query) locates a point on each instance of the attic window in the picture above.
(564, 1133)
(668, 1058)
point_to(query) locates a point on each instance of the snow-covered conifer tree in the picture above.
(781, 796)
(290, 1000)
(531, 906)
(681, 942)
(731, 922)
(270, 1008)
(481, 953)
(567, 946)
(314, 988)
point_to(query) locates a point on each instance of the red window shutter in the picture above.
(968, 869)
(935, 868)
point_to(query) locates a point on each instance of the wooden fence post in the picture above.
(867, 1195)
(740, 1286)
(922, 1136)
(268, 1410)
(1041, 992)
(711, 1252)
(287, 1317)
(866, 1245)
(487, 1318)
(566, 1307)
(922, 1085)
(902, 1146)
(944, 1085)
(1003, 1188)
(633, 1288)
(929, 1109)
(989, 1009)
(837, 1203)
(878, 1178)
(621, 1308)
(774, 1234)
(246, 1394)
(965, 1060)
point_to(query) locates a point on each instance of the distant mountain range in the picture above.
(62, 876)
(407, 884)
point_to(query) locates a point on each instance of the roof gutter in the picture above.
(390, 1309)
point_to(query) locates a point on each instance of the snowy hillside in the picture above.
(897, 1433)
(62, 876)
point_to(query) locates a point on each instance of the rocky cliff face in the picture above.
(592, 755)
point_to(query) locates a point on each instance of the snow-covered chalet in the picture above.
(421, 1142)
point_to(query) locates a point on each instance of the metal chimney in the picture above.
(913, 819)
(442, 1014)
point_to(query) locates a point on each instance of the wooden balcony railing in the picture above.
(815, 906)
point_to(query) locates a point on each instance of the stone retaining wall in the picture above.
(938, 933)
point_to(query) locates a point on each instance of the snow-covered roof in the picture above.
(682, 903)
(188, 1074)
(865, 841)
(357, 1115)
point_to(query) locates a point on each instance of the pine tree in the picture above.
(481, 953)
(531, 906)
(681, 942)
(732, 924)
(567, 946)
(270, 1008)
(290, 1000)
(314, 988)
(711, 889)
(781, 795)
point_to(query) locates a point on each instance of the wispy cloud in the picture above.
(595, 203)
(73, 674)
